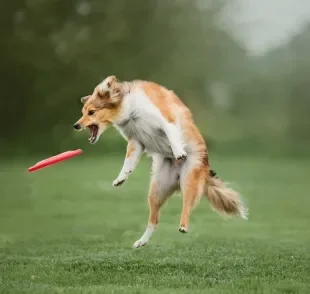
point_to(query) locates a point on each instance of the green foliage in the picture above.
(54, 52)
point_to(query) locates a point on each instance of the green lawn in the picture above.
(65, 229)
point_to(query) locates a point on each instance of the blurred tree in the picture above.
(55, 51)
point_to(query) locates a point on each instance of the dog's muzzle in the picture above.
(77, 126)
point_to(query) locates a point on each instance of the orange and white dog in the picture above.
(154, 120)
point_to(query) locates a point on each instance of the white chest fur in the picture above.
(143, 122)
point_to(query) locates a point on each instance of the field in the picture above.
(65, 229)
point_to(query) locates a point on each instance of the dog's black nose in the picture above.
(77, 126)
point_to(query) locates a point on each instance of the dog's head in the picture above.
(101, 108)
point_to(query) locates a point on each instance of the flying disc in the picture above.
(54, 159)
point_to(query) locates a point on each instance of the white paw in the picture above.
(119, 181)
(183, 229)
(139, 243)
(180, 155)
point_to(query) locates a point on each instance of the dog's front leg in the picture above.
(133, 155)
(174, 136)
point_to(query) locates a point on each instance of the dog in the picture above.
(153, 119)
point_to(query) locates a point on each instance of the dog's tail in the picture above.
(223, 199)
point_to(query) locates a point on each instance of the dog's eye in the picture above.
(91, 112)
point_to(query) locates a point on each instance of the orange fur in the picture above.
(130, 149)
(196, 178)
(192, 191)
(106, 111)
(156, 200)
(224, 199)
(159, 96)
(154, 205)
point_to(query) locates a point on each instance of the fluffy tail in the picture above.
(223, 199)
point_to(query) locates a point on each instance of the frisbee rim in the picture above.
(55, 159)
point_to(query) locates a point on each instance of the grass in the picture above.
(65, 229)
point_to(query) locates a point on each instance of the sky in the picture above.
(268, 23)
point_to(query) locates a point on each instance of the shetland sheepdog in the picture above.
(153, 119)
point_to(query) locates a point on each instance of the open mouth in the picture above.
(93, 133)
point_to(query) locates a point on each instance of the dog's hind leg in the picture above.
(192, 186)
(164, 182)
(156, 201)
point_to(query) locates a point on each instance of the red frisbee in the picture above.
(54, 159)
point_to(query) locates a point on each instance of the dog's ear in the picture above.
(110, 81)
(110, 91)
(84, 99)
(106, 85)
